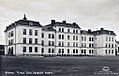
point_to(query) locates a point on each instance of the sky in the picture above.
(88, 14)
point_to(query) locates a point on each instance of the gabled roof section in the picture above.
(23, 22)
(85, 32)
(102, 31)
(48, 28)
(64, 24)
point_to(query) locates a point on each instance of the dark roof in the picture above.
(98, 32)
(48, 28)
(117, 42)
(24, 22)
(64, 24)
(89, 32)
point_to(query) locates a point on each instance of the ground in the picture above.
(60, 66)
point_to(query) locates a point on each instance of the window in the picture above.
(109, 45)
(109, 39)
(106, 45)
(62, 29)
(89, 38)
(62, 36)
(30, 32)
(106, 51)
(36, 32)
(30, 49)
(52, 36)
(42, 42)
(59, 43)
(76, 31)
(42, 35)
(42, 50)
(112, 51)
(49, 36)
(92, 39)
(73, 31)
(59, 29)
(30, 40)
(89, 44)
(59, 50)
(68, 37)
(73, 44)
(109, 51)
(92, 51)
(24, 40)
(92, 45)
(76, 44)
(84, 51)
(68, 30)
(52, 43)
(73, 50)
(81, 51)
(68, 51)
(112, 45)
(76, 50)
(84, 38)
(62, 50)
(52, 50)
(112, 39)
(12, 33)
(36, 49)
(49, 50)
(76, 37)
(68, 44)
(49, 43)
(59, 36)
(24, 49)
(9, 34)
(89, 51)
(24, 31)
(73, 37)
(36, 41)
(106, 38)
(11, 41)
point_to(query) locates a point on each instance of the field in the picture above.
(60, 66)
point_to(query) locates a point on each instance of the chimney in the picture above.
(64, 22)
(52, 21)
(74, 23)
(102, 28)
(89, 30)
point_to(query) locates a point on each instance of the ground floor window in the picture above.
(30, 49)
(24, 49)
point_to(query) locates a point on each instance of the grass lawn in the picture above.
(60, 66)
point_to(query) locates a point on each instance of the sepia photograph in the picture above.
(59, 38)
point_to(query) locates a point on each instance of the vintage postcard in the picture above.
(59, 38)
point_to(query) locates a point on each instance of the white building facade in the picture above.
(26, 37)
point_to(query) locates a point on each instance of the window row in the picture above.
(30, 32)
(109, 39)
(50, 36)
(84, 38)
(50, 43)
(83, 51)
(61, 51)
(68, 30)
(109, 45)
(91, 45)
(30, 40)
(61, 43)
(68, 37)
(109, 51)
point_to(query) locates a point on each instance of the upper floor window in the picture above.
(62, 29)
(24, 40)
(62, 36)
(52, 36)
(109, 38)
(24, 31)
(49, 50)
(68, 37)
(76, 37)
(30, 40)
(42, 35)
(76, 31)
(59, 36)
(42, 42)
(68, 51)
(73, 37)
(36, 32)
(42, 50)
(68, 30)
(30, 31)
(12, 33)
(89, 38)
(59, 29)
(73, 31)
(36, 41)
(49, 35)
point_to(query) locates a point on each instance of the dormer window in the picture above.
(109, 32)
(30, 23)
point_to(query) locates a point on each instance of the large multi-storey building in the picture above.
(26, 37)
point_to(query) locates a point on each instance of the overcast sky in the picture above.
(89, 14)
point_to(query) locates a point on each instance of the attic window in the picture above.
(109, 32)
(97, 32)
(30, 23)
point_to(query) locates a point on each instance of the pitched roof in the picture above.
(48, 28)
(64, 24)
(23, 22)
